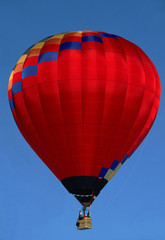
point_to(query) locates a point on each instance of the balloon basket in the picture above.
(84, 224)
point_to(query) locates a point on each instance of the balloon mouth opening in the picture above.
(84, 188)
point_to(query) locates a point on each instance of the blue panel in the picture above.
(70, 45)
(103, 35)
(114, 164)
(103, 172)
(48, 56)
(29, 71)
(12, 106)
(92, 38)
(124, 159)
(17, 87)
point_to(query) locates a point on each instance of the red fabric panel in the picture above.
(47, 72)
(93, 94)
(90, 33)
(69, 85)
(10, 95)
(71, 39)
(50, 48)
(31, 61)
(17, 77)
(116, 89)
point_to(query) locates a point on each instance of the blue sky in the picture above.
(33, 203)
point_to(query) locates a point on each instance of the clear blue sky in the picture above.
(33, 204)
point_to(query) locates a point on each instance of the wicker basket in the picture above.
(84, 223)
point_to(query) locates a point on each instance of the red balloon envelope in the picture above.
(84, 101)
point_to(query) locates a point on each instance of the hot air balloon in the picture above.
(84, 101)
